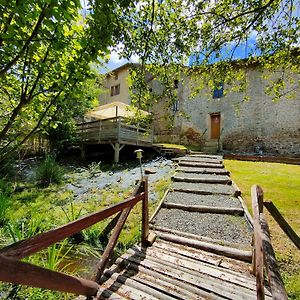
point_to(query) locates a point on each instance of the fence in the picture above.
(263, 253)
(17, 272)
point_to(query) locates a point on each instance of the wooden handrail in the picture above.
(14, 271)
(19, 272)
(263, 253)
(32, 245)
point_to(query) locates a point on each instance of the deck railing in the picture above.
(14, 271)
(263, 253)
(113, 130)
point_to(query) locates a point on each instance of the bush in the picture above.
(5, 191)
(49, 172)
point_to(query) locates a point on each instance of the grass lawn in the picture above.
(281, 184)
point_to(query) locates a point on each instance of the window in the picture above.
(175, 106)
(218, 91)
(115, 90)
(176, 82)
(116, 76)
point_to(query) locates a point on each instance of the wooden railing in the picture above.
(14, 271)
(263, 253)
(114, 130)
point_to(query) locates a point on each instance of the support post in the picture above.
(117, 152)
(145, 214)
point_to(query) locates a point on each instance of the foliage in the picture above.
(47, 47)
(164, 34)
(5, 193)
(49, 172)
(281, 185)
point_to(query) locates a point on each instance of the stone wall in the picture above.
(258, 124)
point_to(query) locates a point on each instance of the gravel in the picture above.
(205, 200)
(202, 170)
(84, 183)
(233, 229)
(204, 188)
(200, 159)
(200, 176)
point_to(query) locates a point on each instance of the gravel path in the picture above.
(233, 229)
(205, 200)
(204, 187)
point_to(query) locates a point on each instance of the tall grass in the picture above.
(5, 191)
(49, 172)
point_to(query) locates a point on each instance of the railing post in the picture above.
(145, 213)
(257, 258)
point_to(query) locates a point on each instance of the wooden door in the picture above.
(215, 121)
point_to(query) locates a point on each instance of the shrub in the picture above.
(5, 191)
(49, 172)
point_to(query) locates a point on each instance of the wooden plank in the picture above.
(195, 236)
(148, 289)
(205, 209)
(204, 281)
(158, 206)
(162, 284)
(229, 264)
(258, 259)
(125, 291)
(176, 282)
(218, 249)
(32, 245)
(173, 258)
(18, 272)
(283, 223)
(201, 180)
(275, 280)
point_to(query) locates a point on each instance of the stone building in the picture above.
(218, 120)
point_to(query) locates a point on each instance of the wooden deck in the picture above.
(114, 130)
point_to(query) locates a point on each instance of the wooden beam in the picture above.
(32, 245)
(202, 180)
(158, 206)
(205, 209)
(283, 223)
(218, 249)
(277, 287)
(18, 272)
(258, 259)
(111, 244)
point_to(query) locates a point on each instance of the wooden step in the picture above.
(201, 179)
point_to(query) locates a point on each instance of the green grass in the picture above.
(281, 185)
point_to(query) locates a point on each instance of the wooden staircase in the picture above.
(170, 271)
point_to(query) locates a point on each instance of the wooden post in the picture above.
(283, 223)
(111, 243)
(277, 287)
(145, 213)
(117, 152)
(258, 259)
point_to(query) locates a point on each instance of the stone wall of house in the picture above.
(119, 77)
(256, 125)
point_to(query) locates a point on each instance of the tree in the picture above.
(165, 33)
(46, 48)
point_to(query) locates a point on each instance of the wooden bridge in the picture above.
(114, 131)
(169, 263)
